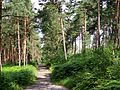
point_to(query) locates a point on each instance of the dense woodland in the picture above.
(80, 43)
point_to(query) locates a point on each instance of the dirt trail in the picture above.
(43, 82)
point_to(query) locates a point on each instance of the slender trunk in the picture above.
(24, 42)
(111, 30)
(0, 35)
(19, 49)
(84, 34)
(79, 42)
(118, 22)
(75, 47)
(4, 55)
(28, 36)
(63, 35)
(10, 54)
(27, 31)
(14, 48)
(7, 54)
(72, 47)
(98, 31)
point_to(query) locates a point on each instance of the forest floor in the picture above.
(43, 81)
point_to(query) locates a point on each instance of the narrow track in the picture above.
(43, 82)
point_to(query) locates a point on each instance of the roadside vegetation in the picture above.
(16, 78)
(97, 69)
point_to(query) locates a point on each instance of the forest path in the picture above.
(43, 82)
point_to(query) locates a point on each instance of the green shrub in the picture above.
(85, 81)
(34, 63)
(66, 70)
(68, 82)
(13, 78)
(108, 85)
(82, 71)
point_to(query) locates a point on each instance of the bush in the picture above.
(34, 63)
(108, 85)
(83, 71)
(68, 82)
(85, 81)
(17, 77)
(65, 70)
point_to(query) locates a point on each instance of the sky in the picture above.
(35, 3)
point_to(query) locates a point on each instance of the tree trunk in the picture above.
(84, 34)
(98, 31)
(79, 42)
(19, 49)
(75, 47)
(10, 54)
(72, 47)
(4, 55)
(63, 35)
(118, 24)
(25, 40)
(0, 35)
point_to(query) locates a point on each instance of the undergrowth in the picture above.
(15, 77)
(94, 70)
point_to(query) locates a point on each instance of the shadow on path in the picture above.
(43, 82)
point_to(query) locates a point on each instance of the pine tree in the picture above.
(0, 35)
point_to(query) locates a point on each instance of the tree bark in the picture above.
(98, 31)
(4, 55)
(10, 54)
(118, 23)
(63, 35)
(84, 34)
(75, 47)
(25, 41)
(19, 48)
(0, 35)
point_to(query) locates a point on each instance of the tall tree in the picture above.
(98, 31)
(18, 33)
(118, 23)
(63, 35)
(0, 35)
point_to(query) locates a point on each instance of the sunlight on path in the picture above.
(43, 82)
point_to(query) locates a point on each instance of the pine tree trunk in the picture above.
(14, 49)
(0, 35)
(79, 43)
(19, 48)
(118, 24)
(75, 47)
(63, 35)
(4, 55)
(27, 31)
(72, 47)
(98, 31)
(24, 42)
(10, 54)
(84, 34)
(111, 30)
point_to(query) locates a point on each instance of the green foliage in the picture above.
(85, 81)
(108, 85)
(68, 82)
(34, 63)
(89, 71)
(66, 70)
(14, 77)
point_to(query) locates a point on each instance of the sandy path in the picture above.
(43, 82)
